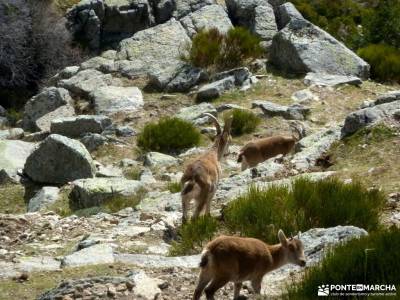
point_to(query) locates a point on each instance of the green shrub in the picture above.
(329, 202)
(373, 259)
(132, 173)
(384, 61)
(174, 187)
(168, 135)
(244, 121)
(212, 49)
(194, 235)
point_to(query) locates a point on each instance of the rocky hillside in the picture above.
(87, 214)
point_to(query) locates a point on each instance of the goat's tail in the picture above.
(189, 183)
(204, 259)
(240, 157)
(188, 187)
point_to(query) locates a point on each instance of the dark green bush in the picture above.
(244, 121)
(194, 235)
(384, 61)
(214, 50)
(261, 213)
(168, 135)
(373, 259)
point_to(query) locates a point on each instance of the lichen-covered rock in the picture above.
(43, 103)
(302, 47)
(59, 160)
(77, 126)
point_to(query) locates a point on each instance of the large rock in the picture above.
(302, 47)
(146, 288)
(43, 103)
(156, 159)
(195, 113)
(320, 79)
(43, 198)
(13, 155)
(86, 81)
(370, 115)
(77, 126)
(94, 191)
(184, 7)
(312, 147)
(207, 17)
(286, 13)
(44, 122)
(113, 99)
(256, 15)
(59, 160)
(215, 89)
(92, 141)
(292, 112)
(186, 78)
(94, 255)
(155, 51)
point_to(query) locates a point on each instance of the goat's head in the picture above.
(293, 248)
(223, 137)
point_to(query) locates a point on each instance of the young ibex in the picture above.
(257, 151)
(201, 177)
(237, 259)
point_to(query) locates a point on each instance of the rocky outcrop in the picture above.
(94, 191)
(320, 79)
(49, 100)
(293, 112)
(74, 127)
(256, 15)
(13, 155)
(46, 196)
(112, 99)
(207, 17)
(370, 115)
(59, 160)
(302, 47)
(286, 13)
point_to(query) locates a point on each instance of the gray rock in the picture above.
(86, 81)
(125, 131)
(94, 191)
(207, 17)
(293, 112)
(156, 159)
(43, 103)
(13, 155)
(146, 287)
(186, 78)
(108, 171)
(68, 72)
(304, 96)
(113, 99)
(146, 176)
(43, 198)
(155, 51)
(215, 89)
(99, 63)
(302, 47)
(109, 54)
(286, 13)
(387, 98)
(11, 134)
(92, 141)
(195, 113)
(256, 15)
(240, 74)
(229, 106)
(3, 111)
(184, 7)
(94, 255)
(321, 79)
(3, 122)
(368, 116)
(36, 136)
(158, 261)
(43, 123)
(59, 160)
(313, 147)
(77, 126)
(37, 264)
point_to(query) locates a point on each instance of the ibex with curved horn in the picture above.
(201, 176)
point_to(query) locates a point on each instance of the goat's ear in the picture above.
(282, 238)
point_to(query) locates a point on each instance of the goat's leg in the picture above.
(201, 201)
(204, 279)
(256, 285)
(236, 293)
(214, 286)
(245, 164)
(209, 199)
(185, 207)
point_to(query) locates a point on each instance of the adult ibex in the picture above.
(201, 176)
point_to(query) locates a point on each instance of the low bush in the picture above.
(384, 61)
(194, 235)
(214, 50)
(174, 187)
(244, 122)
(169, 135)
(306, 204)
(132, 173)
(373, 259)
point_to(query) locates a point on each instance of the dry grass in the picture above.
(12, 199)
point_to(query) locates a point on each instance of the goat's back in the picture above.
(204, 167)
(238, 258)
(271, 146)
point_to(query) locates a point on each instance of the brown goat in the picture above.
(201, 176)
(257, 151)
(237, 259)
